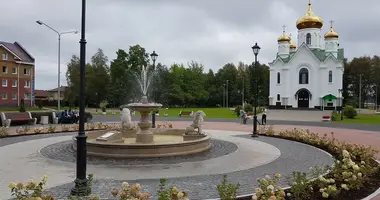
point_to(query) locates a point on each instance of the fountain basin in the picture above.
(162, 147)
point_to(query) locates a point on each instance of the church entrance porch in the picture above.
(303, 98)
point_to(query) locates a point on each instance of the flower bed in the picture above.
(354, 175)
(35, 130)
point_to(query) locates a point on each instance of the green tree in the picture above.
(73, 81)
(98, 79)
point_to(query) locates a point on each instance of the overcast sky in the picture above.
(212, 32)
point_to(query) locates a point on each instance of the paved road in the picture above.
(366, 127)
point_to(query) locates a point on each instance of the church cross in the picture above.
(331, 23)
(284, 27)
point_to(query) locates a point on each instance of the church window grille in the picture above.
(278, 78)
(278, 97)
(308, 38)
(304, 76)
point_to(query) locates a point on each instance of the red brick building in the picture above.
(17, 70)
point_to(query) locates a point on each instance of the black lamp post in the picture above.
(256, 50)
(154, 56)
(81, 187)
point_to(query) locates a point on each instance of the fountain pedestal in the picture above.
(144, 135)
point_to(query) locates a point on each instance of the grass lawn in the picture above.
(361, 119)
(173, 112)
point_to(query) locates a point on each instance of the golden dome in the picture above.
(283, 38)
(309, 20)
(331, 34)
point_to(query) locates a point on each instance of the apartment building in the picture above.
(16, 75)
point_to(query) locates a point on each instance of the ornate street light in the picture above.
(81, 187)
(341, 103)
(154, 56)
(256, 50)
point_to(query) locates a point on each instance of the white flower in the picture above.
(267, 177)
(345, 153)
(362, 162)
(254, 197)
(344, 186)
(355, 167)
(325, 195)
(270, 187)
(125, 185)
(360, 174)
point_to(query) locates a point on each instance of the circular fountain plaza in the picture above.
(190, 158)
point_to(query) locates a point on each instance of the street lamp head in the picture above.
(154, 56)
(256, 49)
(39, 22)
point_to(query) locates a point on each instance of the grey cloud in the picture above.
(212, 32)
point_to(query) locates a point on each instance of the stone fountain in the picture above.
(145, 141)
(144, 135)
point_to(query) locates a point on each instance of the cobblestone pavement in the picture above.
(294, 157)
(63, 151)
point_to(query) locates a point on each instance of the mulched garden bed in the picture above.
(365, 191)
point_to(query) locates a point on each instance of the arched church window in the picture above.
(330, 76)
(304, 76)
(278, 97)
(278, 78)
(308, 38)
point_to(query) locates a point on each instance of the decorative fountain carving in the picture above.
(196, 124)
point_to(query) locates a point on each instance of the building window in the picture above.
(14, 70)
(5, 56)
(26, 71)
(278, 97)
(330, 76)
(26, 96)
(4, 83)
(278, 78)
(304, 76)
(308, 38)
(14, 96)
(5, 70)
(14, 83)
(4, 96)
(27, 84)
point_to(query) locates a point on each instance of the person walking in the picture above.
(264, 117)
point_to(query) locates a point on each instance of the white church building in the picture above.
(309, 75)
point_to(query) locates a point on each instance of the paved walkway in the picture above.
(370, 138)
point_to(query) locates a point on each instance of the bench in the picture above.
(326, 118)
(26, 117)
(182, 113)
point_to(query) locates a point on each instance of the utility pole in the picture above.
(242, 94)
(227, 95)
(376, 98)
(224, 95)
(360, 92)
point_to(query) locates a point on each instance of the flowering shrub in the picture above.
(127, 192)
(38, 129)
(165, 125)
(172, 193)
(268, 189)
(352, 170)
(65, 128)
(51, 129)
(23, 130)
(90, 126)
(99, 125)
(30, 191)
(3, 131)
